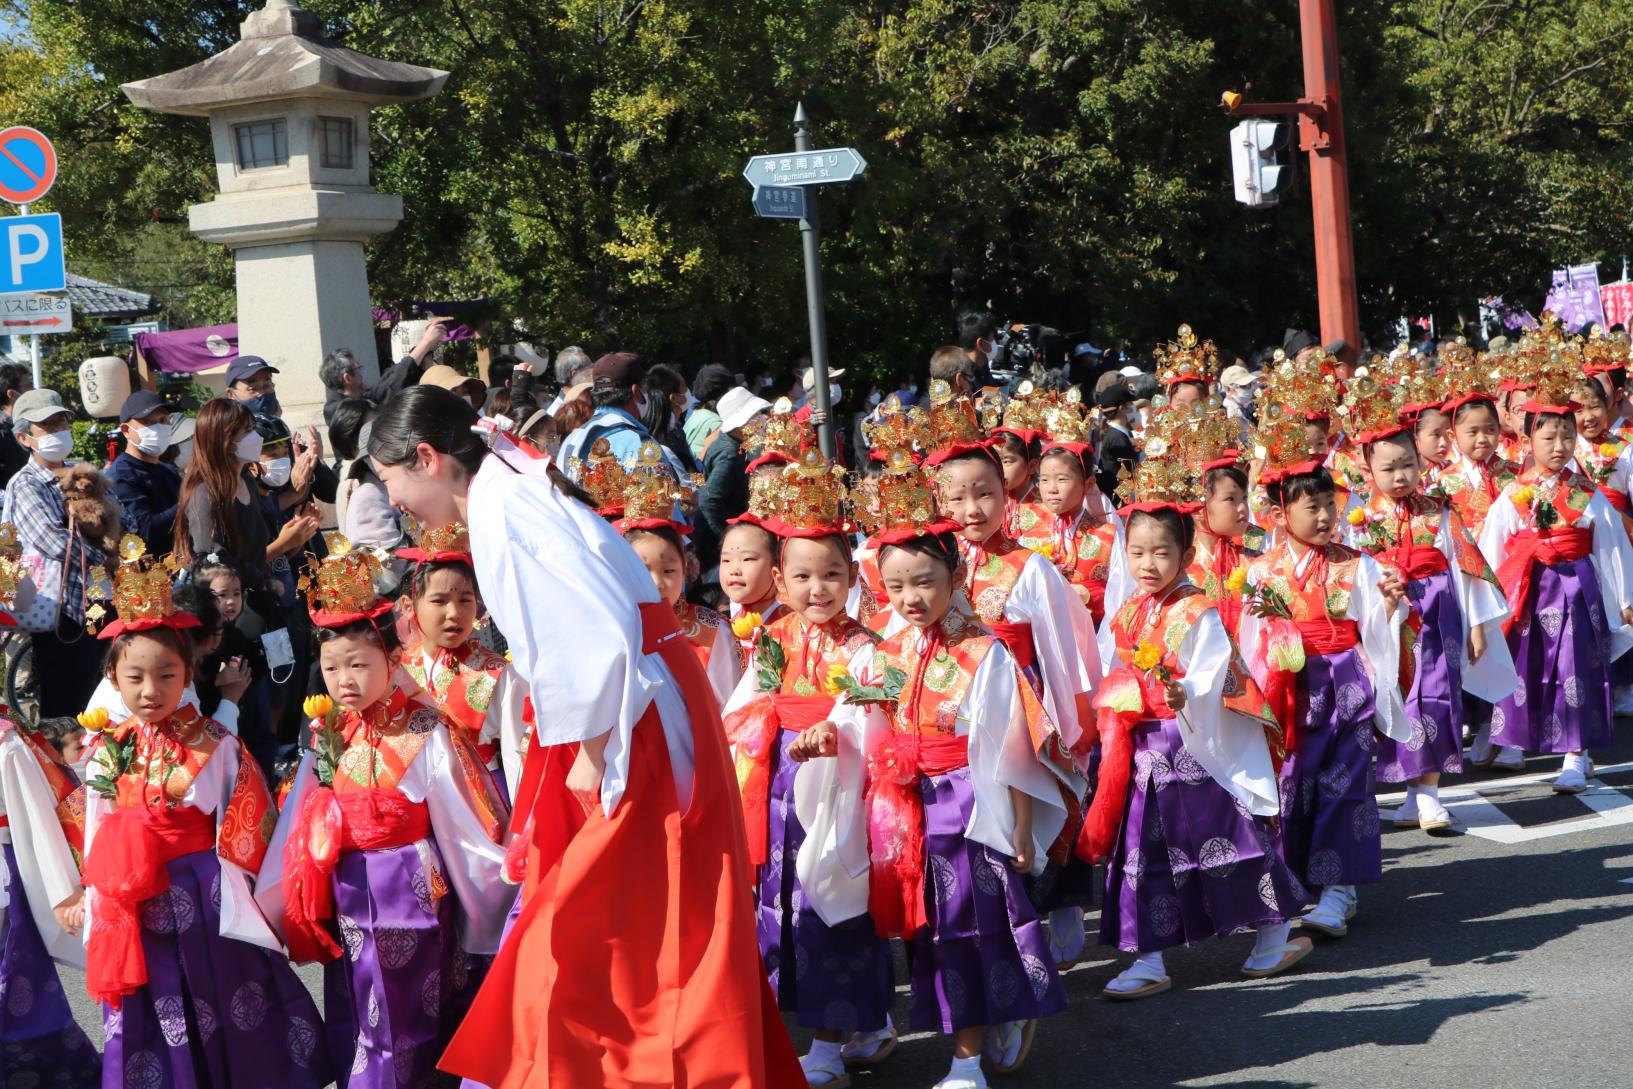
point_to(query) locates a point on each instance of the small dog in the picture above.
(92, 507)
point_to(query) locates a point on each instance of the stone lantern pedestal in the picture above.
(289, 118)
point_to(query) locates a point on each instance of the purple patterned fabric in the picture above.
(40, 1043)
(1189, 862)
(1561, 651)
(1329, 818)
(1435, 705)
(396, 996)
(216, 1013)
(984, 957)
(840, 977)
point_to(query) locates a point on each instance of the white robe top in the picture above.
(564, 587)
(209, 792)
(504, 724)
(107, 697)
(1612, 555)
(45, 862)
(830, 800)
(472, 863)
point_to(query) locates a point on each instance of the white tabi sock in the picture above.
(1270, 937)
(969, 1067)
(824, 1052)
(1430, 792)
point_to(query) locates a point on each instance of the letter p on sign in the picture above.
(32, 254)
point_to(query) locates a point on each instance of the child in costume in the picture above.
(391, 836)
(1189, 851)
(1074, 527)
(42, 832)
(1454, 636)
(194, 985)
(649, 496)
(468, 681)
(948, 787)
(787, 687)
(1321, 634)
(1016, 441)
(1566, 565)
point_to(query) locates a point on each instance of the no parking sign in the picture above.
(28, 165)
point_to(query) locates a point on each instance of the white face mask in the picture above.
(833, 392)
(248, 448)
(184, 453)
(154, 440)
(691, 403)
(873, 399)
(54, 447)
(275, 473)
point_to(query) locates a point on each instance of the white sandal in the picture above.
(1149, 983)
(1291, 953)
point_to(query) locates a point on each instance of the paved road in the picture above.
(1493, 959)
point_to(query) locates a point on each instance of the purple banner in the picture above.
(1574, 296)
(187, 351)
(432, 310)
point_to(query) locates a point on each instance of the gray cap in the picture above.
(38, 406)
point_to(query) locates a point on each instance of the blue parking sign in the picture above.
(31, 254)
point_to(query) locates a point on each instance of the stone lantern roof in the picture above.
(283, 53)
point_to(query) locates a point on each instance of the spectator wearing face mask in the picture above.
(250, 383)
(66, 657)
(147, 488)
(181, 441)
(619, 397)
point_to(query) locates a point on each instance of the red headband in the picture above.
(1228, 459)
(1079, 449)
(339, 620)
(959, 449)
(770, 457)
(902, 536)
(1367, 438)
(420, 555)
(626, 525)
(1152, 508)
(1456, 403)
(1302, 468)
(1539, 408)
(1027, 435)
(784, 529)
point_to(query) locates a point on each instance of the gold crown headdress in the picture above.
(1604, 351)
(141, 593)
(603, 476)
(1470, 375)
(954, 428)
(1549, 363)
(778, 435)
(1308, 390)
(899, 504)
(1281, 444)
(1202, 437)
(1025, 415)
(898, 427)
(1158, 482)
(651, 492)
(808, 498)
(1072, 423)
(1423, 385)
(451, 542)
(12, 572)
(1372, 405)
(1186, 359)
(342, 590)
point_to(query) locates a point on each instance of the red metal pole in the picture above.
(1329, 178)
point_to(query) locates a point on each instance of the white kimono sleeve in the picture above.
(506, 724)
(1492, 678)
(1230, 746)
(1063, 642)
(722, 670)
(1002, 759)
(1379, 625)
(269, 883)
(1119, 588)
(1613, 561)
(45, 863)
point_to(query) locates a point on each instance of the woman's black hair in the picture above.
(1534, 418)
(1479, 402)
(177, 640)
(942, 547)
(666, 534)
(442, 420)
(346, 423)
(1293, 488)
(1179, 527)
(423, 571)
(770, 537)
(1080, 460)
(381, 630)
(1224, 472)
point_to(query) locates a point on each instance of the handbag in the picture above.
(48, 577)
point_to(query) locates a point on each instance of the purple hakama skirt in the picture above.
(1189, 862)
(40, 1043)
(215, 1013)
(836, 978)
(1434, 707)
(983, 958)
(1561, 648)
(402, 987)
(1329, 817)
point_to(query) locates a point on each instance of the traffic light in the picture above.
(1261, 158)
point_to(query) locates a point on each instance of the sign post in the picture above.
(799, 173)
(31, 256)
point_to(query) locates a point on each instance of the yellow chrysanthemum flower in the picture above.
(94, 720)
(1236, 581)
(1147, 657)
(1356, 516)
(744, 625)
(318, 706)
(1523, 496)
(837, 676)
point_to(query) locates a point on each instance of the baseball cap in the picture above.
(737, 406)
(143, 402)
(712, 381)
(37, 406)
(449, 379)
(1130, 372)
(1115, 397)
(1236, 376)
(808, 378)
(247, 366)
(617, 370)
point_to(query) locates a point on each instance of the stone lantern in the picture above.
(289, 118)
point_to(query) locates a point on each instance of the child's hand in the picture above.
(1175, 693)
(1391, 587)
(71, 913)
(1477, 643)
(1627, 615)
(1022, 839)
(813, 742)
(589, 768)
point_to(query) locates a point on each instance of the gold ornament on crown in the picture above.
(140, 588)
(1192, 436)
(11, 565)
(1305, 389)
(1186, 358)
(779, 432)
(898, 427)
(952, 417)
(602, 475)
(1466, 371)
(1373, 402)
(1158, 480)
(899, 499)
(343, 582)
(1422, 382)
(453, 537)
(1280, 441)
(650, 487)
(1072, 421)
(1549, 362)
(810, 494)
(1604, 350)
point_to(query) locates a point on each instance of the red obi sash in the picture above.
(327, 826)
(1126, 698)
(1530, 547)
(1018, 638)
(1324, 637)
(1617, 499)
(126, 866)
(1415, 561)
(1331, 636)
(753, 728)
(896, 825)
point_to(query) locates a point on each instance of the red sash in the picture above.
(753, 728)
(1018, 638)
(1144, 698)
(1415, 561)
(1227, 557)
(1617, 499)
(1530, 547)
(606, 980)
(1329, 636)
(126, 866)
(1322, 637)
(896, 825)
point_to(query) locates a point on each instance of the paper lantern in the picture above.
(104, 383)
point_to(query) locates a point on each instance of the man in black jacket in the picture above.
(342, 374)
(1116, 441)
(147, 488)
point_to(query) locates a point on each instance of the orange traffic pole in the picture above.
(1323, 139)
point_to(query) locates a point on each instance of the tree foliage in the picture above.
(1058, 160)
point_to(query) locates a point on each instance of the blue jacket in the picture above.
(147, 495)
